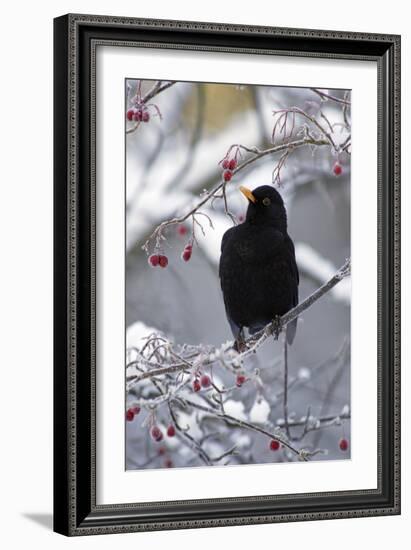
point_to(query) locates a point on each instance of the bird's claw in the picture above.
(240, 346)
(276, 326)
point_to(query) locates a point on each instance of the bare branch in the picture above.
(157, 89)
(324, 95)
(157, 234)
(248, 426)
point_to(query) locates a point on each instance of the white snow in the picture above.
(136, 334)
(260, 411)
(235, 408)
(304, 374)
(242, 441)
(190, 421)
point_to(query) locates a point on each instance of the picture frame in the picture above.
(76, 511)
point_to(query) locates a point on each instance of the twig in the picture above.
(322, 420)
(189, 440)
(298, 111)
(324, 95)
(345, 111)
(157, 89)
(285, 398)
(247, 425)
(332, 386)
(230, 452)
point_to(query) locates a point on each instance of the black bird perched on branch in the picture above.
(258, 272)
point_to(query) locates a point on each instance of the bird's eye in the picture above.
(266, 201)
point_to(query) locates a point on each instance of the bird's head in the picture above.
(265, 207)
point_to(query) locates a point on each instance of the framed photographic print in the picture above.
(227, 277)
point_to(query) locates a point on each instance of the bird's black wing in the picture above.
(224, 241)
(235, 329)
(226, 236)
(292, 327)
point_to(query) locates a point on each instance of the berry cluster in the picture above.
(203, 382)
(228, 165)
(186, 254)
(141, 111)
(132, 412)
(138, 114)
(157, 435)
(158, 260)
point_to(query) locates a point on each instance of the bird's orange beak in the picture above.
(247, 193)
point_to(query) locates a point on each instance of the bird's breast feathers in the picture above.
(257, 246)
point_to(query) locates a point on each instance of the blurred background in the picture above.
(170, 160)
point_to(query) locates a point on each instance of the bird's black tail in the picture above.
(291, 330)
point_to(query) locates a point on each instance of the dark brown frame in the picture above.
(75, 42)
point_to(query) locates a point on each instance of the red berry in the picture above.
(171, 431)
(196, 385)
(225, 164)
(343, 444)
(130, 415)
(205, 381)
(163, 260)
(337, 169)
(145, 116)
(274, 445)
(182, 230)
(162, 451)
(168, 463)
(186, 255)
(227, 175)
(137, 115)
(232, 164)
(136, 409)
(240, 380)
(130, 114)
(156, 433)
(154, 260)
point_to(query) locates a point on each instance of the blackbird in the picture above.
(258, 272)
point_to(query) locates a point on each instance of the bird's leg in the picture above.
(276, 324)
(239, 344)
